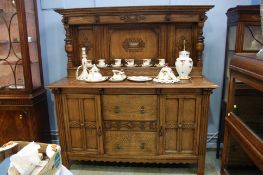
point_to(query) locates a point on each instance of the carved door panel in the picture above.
(83, 123)
(179, 120)
(13, 126)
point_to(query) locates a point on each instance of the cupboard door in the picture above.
(13, 126)
(178, 124)
(83, 123)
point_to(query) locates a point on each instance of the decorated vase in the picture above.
(184, 65)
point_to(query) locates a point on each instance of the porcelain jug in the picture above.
(118, 74)
(184, 65)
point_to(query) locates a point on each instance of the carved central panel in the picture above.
(133, 45)
(137, 43)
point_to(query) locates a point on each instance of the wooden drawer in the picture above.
(130, 107)
(130, 143)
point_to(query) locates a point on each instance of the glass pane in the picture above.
(248, 107)
(232, 32)
(32, 43)
(252, 38)
(11, 68)
(227, 77)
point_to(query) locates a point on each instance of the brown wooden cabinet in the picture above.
(243, 36)
(23, 101)
(243, 124)
(133, 121)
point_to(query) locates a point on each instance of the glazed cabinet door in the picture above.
(179, 117)
(83, 123)
(13, 126)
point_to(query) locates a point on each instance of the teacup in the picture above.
(101, 62)
(117, 62)
(146, 62)
(161, 62)
(130, 62)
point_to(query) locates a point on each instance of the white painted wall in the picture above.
(54, 56)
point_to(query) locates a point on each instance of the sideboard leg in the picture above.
(201, 165)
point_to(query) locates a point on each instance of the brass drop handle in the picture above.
(142, 145)
(180, 126)
(142, 109)
(117, 109)
(20, 116)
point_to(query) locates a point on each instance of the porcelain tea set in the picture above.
(183, 65)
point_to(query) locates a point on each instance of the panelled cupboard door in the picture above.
(19, 130)
(179, 118)
(83, 123)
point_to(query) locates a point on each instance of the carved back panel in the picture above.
(134, 32)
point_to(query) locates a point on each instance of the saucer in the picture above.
(139, 78)
(96, 81)
(158, 65)
(184, 78)
(134, 65)
(100, 66)
(149, 65)
(113, 65)
(117, 80)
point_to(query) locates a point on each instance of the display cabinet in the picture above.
(243, 35)
(244, 124)
(23, 103)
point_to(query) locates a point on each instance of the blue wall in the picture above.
(54, 56)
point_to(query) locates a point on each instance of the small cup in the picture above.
(161, 62)
(117, 62)
(146, 62)
(101, 62)
(130, 62)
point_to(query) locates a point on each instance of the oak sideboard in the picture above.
(134, 121)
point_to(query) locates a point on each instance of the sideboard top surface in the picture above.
(196, 82)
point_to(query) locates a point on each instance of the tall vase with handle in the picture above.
(84, 74)
(184, 64)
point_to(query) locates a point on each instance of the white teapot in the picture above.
(94, 74)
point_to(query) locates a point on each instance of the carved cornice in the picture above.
(130, 125)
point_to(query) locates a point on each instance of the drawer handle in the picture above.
(117, 109)
(142, 145)
(82, 125)
(20, 116)
(161, 131)
(99, 131)
(118, 146)
(142, 110)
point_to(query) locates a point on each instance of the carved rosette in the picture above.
(200, 40)
(133, 45)
(132, 18)
(68, 41)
